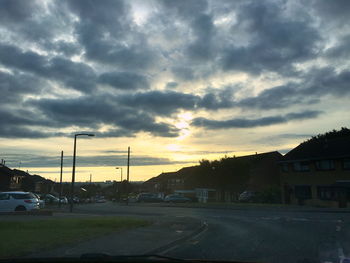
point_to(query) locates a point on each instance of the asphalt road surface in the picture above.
(262, 235)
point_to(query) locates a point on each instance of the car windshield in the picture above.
(23, 196)
(190, 129)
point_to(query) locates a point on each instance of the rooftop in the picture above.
(335, 144)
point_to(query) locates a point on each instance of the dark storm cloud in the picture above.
(79, 76)
(15, 11)
(101, 30)
(19, 131)
(249, 123)
(326, 81)
(124, 80)
(218, 100)
(277, 41)
(95, 111)
(318, 82)
(13, 86)
(24, 123)
(11, 115)
(161, 102)
(334, 11)
(31, 21)
(183, 9)
(203, 30)
(194, 40)
(276, 97)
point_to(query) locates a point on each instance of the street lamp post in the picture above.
(73, 170)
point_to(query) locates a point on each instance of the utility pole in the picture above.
(128, 164)
(127, 178)
(90, 178)
(60, 193)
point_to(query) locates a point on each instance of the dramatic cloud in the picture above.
(94, 112)
(250, 123)
(275, 41)
(30, 160)
(101, 30)
(133, 68)
(72, 74)
(13, 86)
(124, 80)
(162, 103)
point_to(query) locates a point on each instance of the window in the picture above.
(346, 164)
(4, 196)
(326, 193)
(22, 196)
(301, 166)
(303, 191)
(325, 165)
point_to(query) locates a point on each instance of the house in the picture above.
(18, 180)
(256, 173)
(9, 179)
(221, 180)
(317, 172)
(168, 182)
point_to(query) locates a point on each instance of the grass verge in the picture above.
(24, 237)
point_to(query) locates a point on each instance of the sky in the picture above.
(177, 81)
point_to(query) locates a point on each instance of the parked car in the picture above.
(148, 198)
(18, 201)
(100, 200)
(64, 200)
(247, 196)
(51, 199)
(174, 198)
(41, 201)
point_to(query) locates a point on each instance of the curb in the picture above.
(257, 208)
(166, 248)
(29, 213)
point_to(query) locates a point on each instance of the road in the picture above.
(270, 235)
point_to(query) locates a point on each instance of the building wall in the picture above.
(314, 178)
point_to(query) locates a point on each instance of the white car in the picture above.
(18, 201)
(247, 196)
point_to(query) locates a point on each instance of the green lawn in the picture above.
(23, 237)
